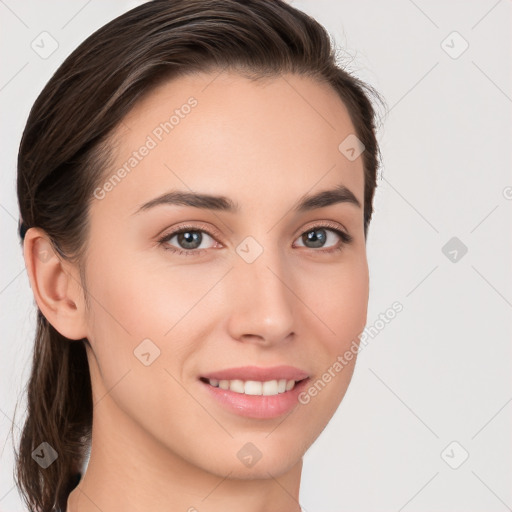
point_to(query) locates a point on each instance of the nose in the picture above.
(263, 302)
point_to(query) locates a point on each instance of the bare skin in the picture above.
(160, 442)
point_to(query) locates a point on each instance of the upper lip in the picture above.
(258, 373)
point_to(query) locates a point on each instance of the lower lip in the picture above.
(257, 406)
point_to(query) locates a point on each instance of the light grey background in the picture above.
(440, 371)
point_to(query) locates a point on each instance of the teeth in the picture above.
(269, 387)
(236, 385)
(254, 387)
(251, 387)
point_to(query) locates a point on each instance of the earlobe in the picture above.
(55, 285)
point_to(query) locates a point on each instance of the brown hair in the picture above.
(64, 152)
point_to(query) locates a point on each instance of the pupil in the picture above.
(190, 239)
(312, 236)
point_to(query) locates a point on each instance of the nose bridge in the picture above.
(262, 301)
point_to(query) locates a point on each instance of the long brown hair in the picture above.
(64, 152)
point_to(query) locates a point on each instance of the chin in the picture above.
(262, 470)
(267, 458)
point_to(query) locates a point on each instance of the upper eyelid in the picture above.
(209, 230)
(323, 223)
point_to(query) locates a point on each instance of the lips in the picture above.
(256, 392)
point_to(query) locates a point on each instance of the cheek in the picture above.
(138, 299)
(132, 310)
(143, 299)
(339, 298)
(121, 312)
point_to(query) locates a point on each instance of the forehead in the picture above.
(255, 141)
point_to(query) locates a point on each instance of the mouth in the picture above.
(257, 392)
(254, 387)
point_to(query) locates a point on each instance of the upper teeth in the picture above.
(254, 387)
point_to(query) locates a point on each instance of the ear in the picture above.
(55, 284)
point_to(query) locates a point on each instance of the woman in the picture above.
(195, 186)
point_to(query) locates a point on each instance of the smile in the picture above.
(254, 387)
(259, 392)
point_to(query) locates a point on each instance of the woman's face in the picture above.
(253, 280)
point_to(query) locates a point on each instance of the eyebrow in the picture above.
(339, 194)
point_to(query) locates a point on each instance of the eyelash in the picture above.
(345, 238)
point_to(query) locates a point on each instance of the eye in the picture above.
(325, 235)
(189, 240)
